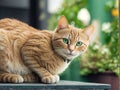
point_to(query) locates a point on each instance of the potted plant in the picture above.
(101, 61)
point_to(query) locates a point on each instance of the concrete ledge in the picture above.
(62, 85)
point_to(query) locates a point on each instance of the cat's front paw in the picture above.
(16, 79)
(51, 79)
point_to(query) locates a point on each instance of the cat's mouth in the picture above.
(70, 54)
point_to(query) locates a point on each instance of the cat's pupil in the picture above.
(65, 40)
(79, 43)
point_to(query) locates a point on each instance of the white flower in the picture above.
(106, 27)
(84, 16)
(105, 51)
(96, 47)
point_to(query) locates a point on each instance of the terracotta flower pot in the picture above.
(107, 78)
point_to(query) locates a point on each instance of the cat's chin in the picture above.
(71, 57)
(66, 55)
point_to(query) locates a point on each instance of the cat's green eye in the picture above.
(65, 40)
(79, 43)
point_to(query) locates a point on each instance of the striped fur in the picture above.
(30, 55)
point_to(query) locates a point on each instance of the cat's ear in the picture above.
(89, 30)
(62, 23)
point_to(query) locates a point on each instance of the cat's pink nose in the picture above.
(71, 50)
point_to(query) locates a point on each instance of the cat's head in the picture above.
(68, 41)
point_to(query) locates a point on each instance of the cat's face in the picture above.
(70, 42)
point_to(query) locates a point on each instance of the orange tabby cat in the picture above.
(30, 55)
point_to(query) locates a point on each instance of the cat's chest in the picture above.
(58, 66)
(62, 67)
(54, 63)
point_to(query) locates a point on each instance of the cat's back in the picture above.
(16, 25)
(15, 31)
(13, 34)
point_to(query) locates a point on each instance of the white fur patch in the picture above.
(17, 68)
(63, 67)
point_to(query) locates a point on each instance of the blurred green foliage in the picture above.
(104, 57)
(99, 57)
(69, 9)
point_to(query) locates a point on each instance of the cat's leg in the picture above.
(30, 78)
(31, 58)
(5, 76)
(49, 78)
(44, 74)
(11, 78)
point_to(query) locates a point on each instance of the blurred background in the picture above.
(101, 61)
